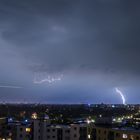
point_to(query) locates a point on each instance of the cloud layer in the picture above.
(95, 44)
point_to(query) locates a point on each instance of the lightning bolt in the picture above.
(122, 96)
(49, 79)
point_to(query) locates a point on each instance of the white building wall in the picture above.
(44, 131)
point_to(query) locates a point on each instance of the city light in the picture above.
(25, 120)
(28, 130)
(89, 136)
(100, 115)
(10, 119)
(88, 121)
(124, 136)
(34, 115)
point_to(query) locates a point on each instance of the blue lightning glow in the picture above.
(122, 96)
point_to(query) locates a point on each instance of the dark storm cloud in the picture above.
(85, 34)
(97, 38)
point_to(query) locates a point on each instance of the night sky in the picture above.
(69, 51)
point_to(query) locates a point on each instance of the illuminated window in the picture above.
(89, 136)
(28, 129)
(124, 136)
(34, 116)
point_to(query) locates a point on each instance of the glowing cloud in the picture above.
(122, 96)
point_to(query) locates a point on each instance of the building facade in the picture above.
(104, 133)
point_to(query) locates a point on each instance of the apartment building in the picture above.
(106, 133)
(43, 130)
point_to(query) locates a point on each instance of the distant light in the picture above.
(113, 106)
(10, 119)
(119, 119)
(28, 130)
(89, 136)
(88, 121)
(124, 136)
(114, 120)
(26, 120)
(93, 121)
(100, 115)
(80, 121)
(34, 116)
(128, 117)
